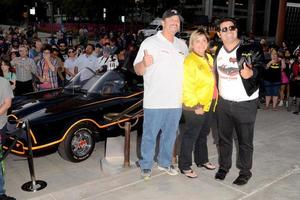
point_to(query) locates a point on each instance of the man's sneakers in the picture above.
(170, 170)
(242, 179)
(146, 174)
(5, 197)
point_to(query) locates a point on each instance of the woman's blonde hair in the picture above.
(274, 52)
(195, 34)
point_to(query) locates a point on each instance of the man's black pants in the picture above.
(241, 116)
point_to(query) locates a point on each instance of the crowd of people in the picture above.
(32, 64)
(281, 84)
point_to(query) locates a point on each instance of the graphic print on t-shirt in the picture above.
(227, 65)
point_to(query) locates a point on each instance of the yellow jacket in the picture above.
(198, 81)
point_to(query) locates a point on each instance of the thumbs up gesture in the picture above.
(147, 59)
(247, 71)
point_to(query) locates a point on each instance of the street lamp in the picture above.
(32, 12)
(123, 21)
(104, 14)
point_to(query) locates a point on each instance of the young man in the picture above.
(6, 95)
(238, 67)
(160, 61)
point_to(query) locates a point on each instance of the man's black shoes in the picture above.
(242, 179)
(221, 174)
(5, 197)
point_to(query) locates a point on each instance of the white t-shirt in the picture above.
(70, 65)
(163, 79)
(230, 82)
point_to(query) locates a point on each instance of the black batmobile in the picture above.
(71, 119)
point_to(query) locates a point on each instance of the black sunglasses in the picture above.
(71, 51)
(229, 28)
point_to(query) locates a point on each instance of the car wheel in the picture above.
(78, 145)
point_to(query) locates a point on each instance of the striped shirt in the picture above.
(51, 75)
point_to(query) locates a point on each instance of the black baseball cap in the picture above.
(171, 13)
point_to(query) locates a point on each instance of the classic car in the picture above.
(90, 108)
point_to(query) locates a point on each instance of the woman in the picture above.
(70, 64)
(199, 101)
(8, 73)
(285, 72)
(272, 79)
(47, 70)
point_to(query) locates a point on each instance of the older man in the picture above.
(160, 61)
(25, 67)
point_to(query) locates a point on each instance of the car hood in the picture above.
(36, 105)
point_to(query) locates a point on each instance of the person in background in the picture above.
(47, 70)
(272, 79)
(63, 49)
(35, 52)
(199, 101)
(4, 47)
(61, 73)
(86, 60)
(160, 62)
(24, 67)
(6, 96)
(109, 61)
(70, 64)
(285, 72)
(8, 73)
(239, 68)
(295, 84)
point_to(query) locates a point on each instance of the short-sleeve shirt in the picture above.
(10, 76)
(273, 73)
(70, 65)
(84, 61)
(5, 92)
(163, 80)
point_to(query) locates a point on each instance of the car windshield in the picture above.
(83, 80)
(111, 82)
(151, 26)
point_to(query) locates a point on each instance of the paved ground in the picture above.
(276, 172)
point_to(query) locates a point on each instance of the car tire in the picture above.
(78, 145)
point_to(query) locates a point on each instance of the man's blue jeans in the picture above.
(167, 121)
